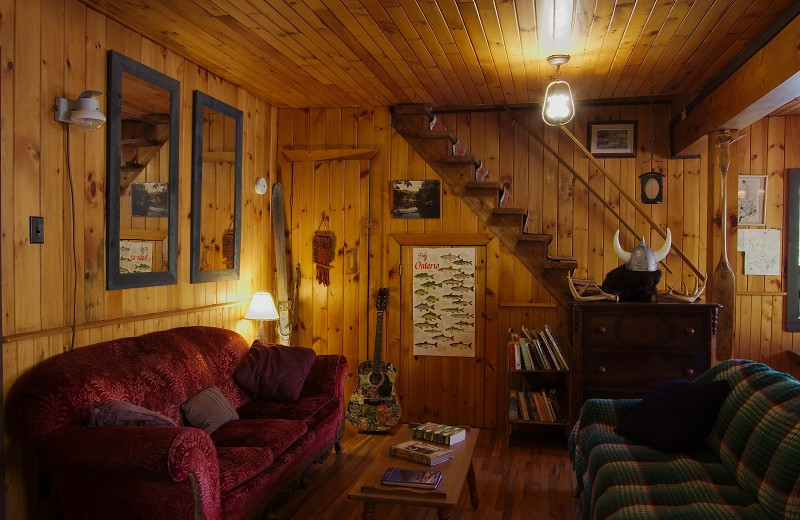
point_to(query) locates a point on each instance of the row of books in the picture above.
(535, 350)
(539, 406)
(439, 433)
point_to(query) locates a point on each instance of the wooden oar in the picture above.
(723, 281)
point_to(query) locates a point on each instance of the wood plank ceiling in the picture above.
(309, 53)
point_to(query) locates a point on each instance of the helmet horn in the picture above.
(662, 253)
(623, 255)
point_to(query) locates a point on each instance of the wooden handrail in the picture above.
(622, 192)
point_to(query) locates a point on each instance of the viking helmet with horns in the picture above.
(642, 258)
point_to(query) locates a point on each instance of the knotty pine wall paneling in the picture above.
(58, 48)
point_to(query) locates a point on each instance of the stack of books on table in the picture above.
(535, 350)
(413, 478)
(422, 452)
(439, 433)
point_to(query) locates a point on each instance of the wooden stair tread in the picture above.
(477, 185)
(437, 134)
(132, 167)
(140, 142)
(415, 109)
(510, 211)
(461, 159)
(535, 237)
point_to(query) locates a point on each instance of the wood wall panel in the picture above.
(58, 48)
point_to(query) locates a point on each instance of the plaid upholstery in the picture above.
(749, 469)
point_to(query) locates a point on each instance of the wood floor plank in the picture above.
(531, 478)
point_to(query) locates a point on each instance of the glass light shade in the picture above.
(262, 307)
(558, 107)
(87, 116)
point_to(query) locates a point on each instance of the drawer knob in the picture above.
(689, 372)
(690, 331)
(601, 369)
(601, 330)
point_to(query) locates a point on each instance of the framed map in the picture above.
(444, 301)
(752, 197)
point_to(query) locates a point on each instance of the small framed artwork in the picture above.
(135, 256)
(416, 199)
(149, 199)
(612, 138)
(752, 197)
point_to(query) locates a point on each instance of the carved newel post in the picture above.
(724, 280)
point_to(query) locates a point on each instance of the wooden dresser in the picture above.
(629, 349)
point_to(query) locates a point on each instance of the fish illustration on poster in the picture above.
(444, 301)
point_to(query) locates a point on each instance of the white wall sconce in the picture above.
(262, 308)
(558, 107)
(84, 112)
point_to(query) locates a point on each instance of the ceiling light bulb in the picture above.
(558, 105)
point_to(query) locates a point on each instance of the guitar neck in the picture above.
(378, 338)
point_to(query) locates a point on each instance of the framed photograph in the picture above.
(752, 197)
(149, 199)
(612, 138)
(416, 199)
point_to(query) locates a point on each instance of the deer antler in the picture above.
(597, 292)
(685, 297)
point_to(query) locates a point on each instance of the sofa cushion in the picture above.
(275, 435)
(238, 464)
(310, 409)
(676, 416)
(635, 482)
(121, 413)
(208, 409)
(274, 371)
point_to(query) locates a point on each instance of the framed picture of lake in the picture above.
(416, 199)
(612, 138)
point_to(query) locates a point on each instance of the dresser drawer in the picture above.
(654, 330)
(640, 369)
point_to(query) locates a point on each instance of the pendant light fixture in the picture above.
(558, 107)
(652, 182)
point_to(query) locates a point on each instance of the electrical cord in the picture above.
(74, 242)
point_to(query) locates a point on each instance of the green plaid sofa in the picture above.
(748, 469)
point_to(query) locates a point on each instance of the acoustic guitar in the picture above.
(374, 407)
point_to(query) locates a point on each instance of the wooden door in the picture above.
(332, 319)
(447, 389)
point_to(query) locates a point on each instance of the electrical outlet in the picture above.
(37, 230)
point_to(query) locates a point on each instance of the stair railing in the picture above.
(594, 192)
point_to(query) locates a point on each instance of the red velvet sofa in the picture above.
(175, 472)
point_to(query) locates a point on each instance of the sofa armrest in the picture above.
(327, 376)
(149, 454)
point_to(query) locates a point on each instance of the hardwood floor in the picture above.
(530, 479)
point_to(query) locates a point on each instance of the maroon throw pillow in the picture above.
(277, 372)
(121, 413)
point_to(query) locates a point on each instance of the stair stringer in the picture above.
(507, 224)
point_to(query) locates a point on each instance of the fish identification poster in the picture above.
(444, 301)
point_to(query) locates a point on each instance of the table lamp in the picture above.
(262, 308)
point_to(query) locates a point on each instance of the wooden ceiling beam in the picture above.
(764, 83)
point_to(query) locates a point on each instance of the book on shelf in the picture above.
(527, 362)
(413, 478)
(439, 433)
(538, 406)
(556, 347)
(422, 452)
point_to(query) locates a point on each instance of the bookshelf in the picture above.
(540, 380)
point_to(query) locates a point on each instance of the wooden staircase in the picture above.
(141, 140)
(436, 147)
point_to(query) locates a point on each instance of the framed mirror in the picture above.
(142, 175)
(216, 190)
(793, 252)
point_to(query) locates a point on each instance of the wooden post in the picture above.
(722, 239)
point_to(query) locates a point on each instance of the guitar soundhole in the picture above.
(376, 378)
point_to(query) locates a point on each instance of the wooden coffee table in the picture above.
(455, 473)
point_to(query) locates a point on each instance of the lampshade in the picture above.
(558, 107)
(88, 114)
(262, 307)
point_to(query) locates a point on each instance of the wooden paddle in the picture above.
(723, 281)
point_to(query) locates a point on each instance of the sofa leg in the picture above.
(337, 448)
(304, 481)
